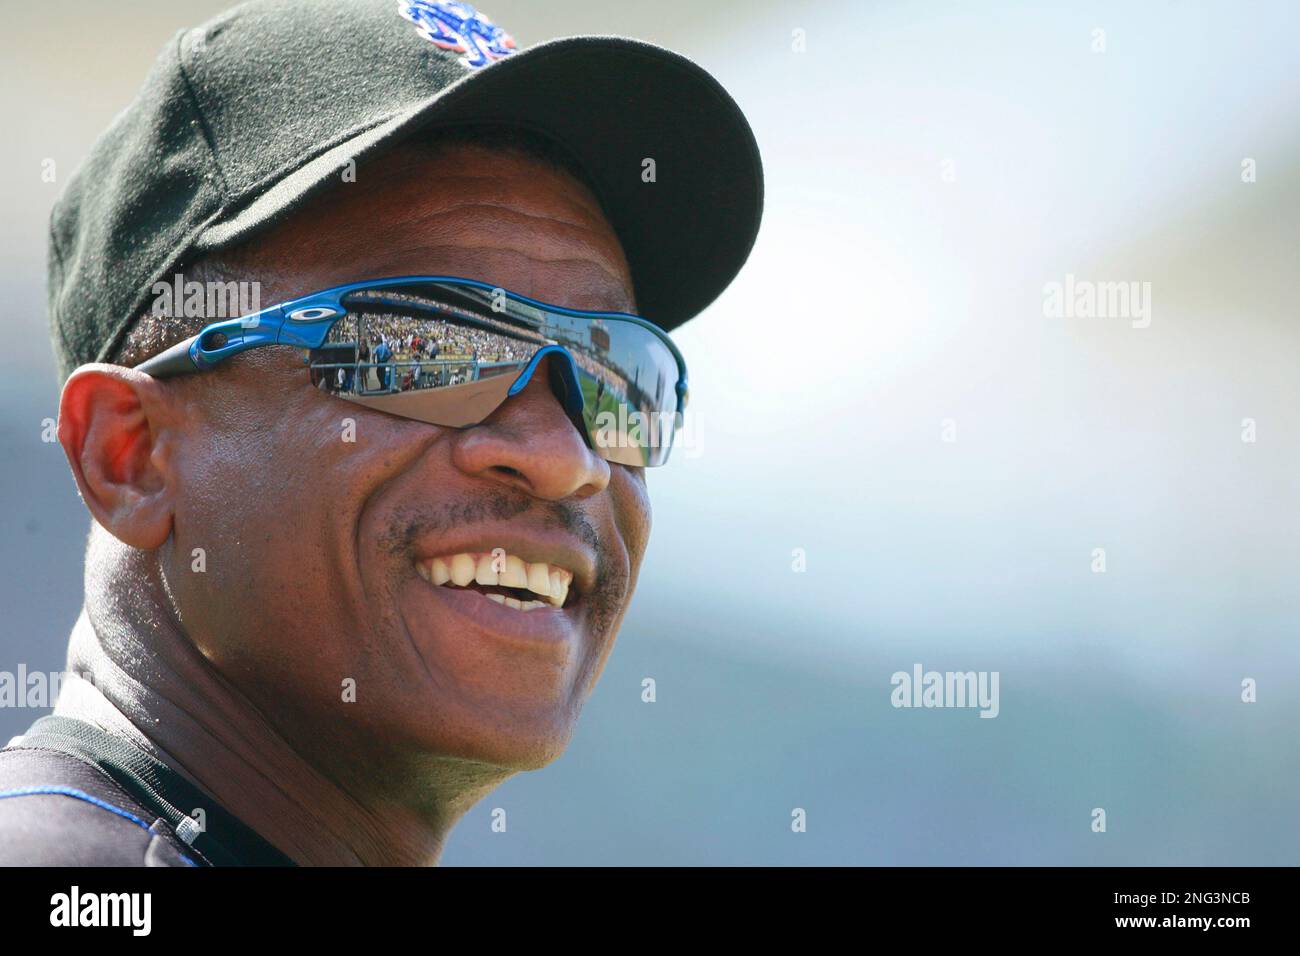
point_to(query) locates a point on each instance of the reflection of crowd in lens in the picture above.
(398, 353)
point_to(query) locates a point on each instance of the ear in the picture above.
(110, 421)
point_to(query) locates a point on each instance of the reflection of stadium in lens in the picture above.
(397, 345)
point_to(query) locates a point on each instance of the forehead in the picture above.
(501, 217)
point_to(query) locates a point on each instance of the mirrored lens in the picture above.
(411, 357)
(449, 354)
(629, 387)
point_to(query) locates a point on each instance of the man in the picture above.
(384, 356)
(282, 656)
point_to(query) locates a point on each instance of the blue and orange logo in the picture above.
(460, 28)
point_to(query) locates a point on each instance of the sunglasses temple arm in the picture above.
(170, 362)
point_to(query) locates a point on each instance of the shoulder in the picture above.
(56, 810)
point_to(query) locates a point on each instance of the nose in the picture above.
(531, 443)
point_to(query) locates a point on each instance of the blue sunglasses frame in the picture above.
(305, 323)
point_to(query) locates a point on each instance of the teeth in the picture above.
(560, 588)
(516, 574)
(439, 573)
(462, 569)
(539, 579)
(545, 580)
(485, 573)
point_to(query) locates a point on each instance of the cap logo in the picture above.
(460, 28)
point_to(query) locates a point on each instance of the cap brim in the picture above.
(612, 102)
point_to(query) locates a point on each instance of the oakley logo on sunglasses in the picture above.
(312, 314)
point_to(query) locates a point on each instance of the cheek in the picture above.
(632, 513)
(272, 503)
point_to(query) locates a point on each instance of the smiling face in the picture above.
(343, 544)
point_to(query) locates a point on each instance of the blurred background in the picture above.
(882, 394)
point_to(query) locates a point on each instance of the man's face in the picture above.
(312, 541)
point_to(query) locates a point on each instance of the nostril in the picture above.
(507, 470)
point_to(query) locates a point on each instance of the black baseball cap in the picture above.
(244, 118)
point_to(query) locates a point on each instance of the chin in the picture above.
(515, 747)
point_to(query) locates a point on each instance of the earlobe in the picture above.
(110, 421)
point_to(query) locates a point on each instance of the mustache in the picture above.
(410, 524)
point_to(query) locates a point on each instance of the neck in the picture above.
(142, 678)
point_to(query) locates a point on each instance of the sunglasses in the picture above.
(450, 351)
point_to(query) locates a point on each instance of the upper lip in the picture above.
(559, 550)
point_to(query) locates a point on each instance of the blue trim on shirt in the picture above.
(94, 801)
